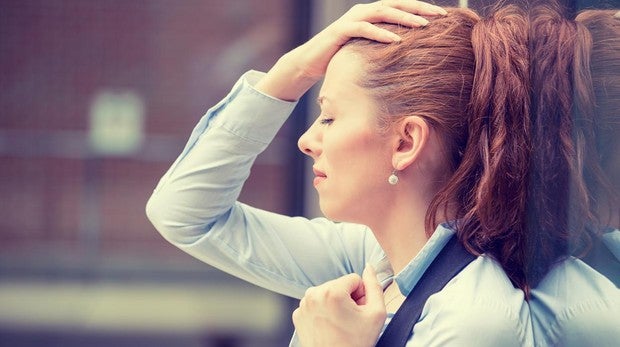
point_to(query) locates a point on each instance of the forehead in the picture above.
(340, 84)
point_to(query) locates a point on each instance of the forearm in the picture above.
(205, 181)
(194, 206)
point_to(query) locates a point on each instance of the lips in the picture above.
(318, 173)
(319, 176)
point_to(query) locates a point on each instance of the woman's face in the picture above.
(352, 157)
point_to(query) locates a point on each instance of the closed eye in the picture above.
(326, 121)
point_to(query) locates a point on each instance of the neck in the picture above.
(400, 229)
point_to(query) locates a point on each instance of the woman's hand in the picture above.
(301, 68)
(348, 311)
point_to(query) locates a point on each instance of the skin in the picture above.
(353, 160)
(351, 156)
(298, 70)
(346, 297)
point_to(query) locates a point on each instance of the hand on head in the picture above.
(348, 311)
(302, 67)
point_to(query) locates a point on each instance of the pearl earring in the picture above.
(393, 179)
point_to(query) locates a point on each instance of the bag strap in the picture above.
(449, 262)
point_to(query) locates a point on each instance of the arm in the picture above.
(194, 206)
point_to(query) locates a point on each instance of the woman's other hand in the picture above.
(301, 68)
(348, 311)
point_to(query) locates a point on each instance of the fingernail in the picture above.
(396, 38)
(441, 11)
(417, 21)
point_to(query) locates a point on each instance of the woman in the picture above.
(572, 188)
(402, 149)
(574, 184)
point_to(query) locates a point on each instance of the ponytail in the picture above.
(491, 180)
(603, 176)
(551, 166)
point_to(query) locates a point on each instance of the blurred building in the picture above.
(96, 100)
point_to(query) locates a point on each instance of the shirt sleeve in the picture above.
(195, 207)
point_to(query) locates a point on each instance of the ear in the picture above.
(412, 134)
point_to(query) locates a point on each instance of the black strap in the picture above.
(449, 262)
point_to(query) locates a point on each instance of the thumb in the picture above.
(374, 291)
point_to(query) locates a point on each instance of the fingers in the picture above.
(417, 7)
(379, 13)
(402, 12)
(350, 282)
(301, 68)
(296, 317)
(336, 291)
(359, 294)
(359, 20)
(330, 308)
(369, 31)
(327, 316)
(374, 291)
(375, 304)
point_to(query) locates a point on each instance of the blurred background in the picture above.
(96, 100)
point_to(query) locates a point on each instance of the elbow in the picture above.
(158, 212)
(174, 223)
(155, 214)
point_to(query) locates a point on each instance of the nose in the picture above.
(309, 142)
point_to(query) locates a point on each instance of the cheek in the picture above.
(343, 147)
(361, 152)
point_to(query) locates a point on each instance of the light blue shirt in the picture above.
(574, 305)
(611, 239)
(195, 207)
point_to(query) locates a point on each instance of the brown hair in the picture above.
(567, 180)
(557, 201)
(468, 78)
(604, 28)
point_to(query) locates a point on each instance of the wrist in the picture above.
(286, 80)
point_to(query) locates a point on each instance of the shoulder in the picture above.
(573, 305)
(478, 307)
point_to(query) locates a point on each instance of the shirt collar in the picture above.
(411, 273)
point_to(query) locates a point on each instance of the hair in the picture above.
(557, 199)
(567, 180)
(603, 178)
(604, 29)
(468, 78)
